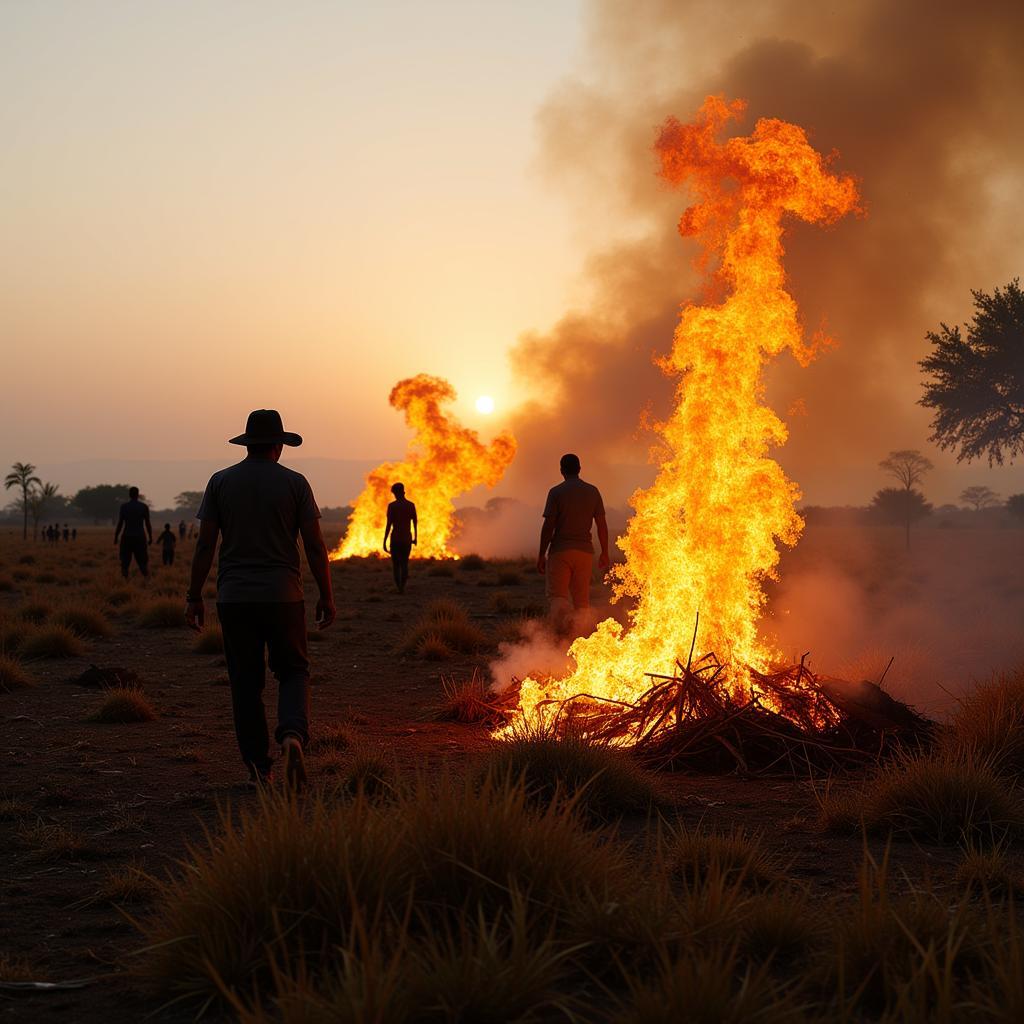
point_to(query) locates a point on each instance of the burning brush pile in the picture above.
(704, 537)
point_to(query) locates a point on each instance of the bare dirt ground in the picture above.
(139, 793)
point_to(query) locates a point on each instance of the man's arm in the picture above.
(388, 528)
(202, 562)
(415, 526)
(149, 526)
(320, 567)
(547, 533)
(602, 536)
(120, 525)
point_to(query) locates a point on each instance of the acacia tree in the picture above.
(897, 505)
(1015, 505)
(977, 382)
(909, 467)
(979, 497)
(22, 475)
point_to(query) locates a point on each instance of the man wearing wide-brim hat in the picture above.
(260, 509)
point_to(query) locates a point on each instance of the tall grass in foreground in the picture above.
(471, 902)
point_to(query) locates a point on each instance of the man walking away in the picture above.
(260, 509)
(181, 530)
(137, 535)
(566, 550)
(403, 528)
(167, 540)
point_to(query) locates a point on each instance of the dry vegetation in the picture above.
(434, 875)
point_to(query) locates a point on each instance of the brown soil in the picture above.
(139, 793)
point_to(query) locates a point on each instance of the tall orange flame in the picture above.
(444, 459)
(703, 537)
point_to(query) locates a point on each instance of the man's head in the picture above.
(167, 527)
(133, 493)
(569, 465)
(398, 490)
(265, 451)
(264, 433)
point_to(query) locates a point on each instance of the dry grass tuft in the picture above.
(601, 782)
(988, 872)
(441, 569)
(51, 642)
(84, 621)
(938, 798)
(444, 624)
(12, 675)
(12, 809)
(509, 579)
(739, 859)
(331, 737)
(16, 969)
(472, 563)
(127, 884)
(163, 613)
(36, 612)
(469, 701)
(989, 724)
(209, 641)
(123, 705)
(54, 842)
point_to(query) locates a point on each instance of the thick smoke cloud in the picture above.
(921, 100)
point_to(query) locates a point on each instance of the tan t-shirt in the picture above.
(573, 505)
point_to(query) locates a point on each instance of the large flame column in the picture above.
(703, 536)
(444, 460)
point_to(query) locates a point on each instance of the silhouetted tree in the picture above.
(908, 466)
(895, 505)
(101, 501)
(39, 501)
(1015, 505)
(979, 497)
(977, 383)
(22, 475)
(187, 503)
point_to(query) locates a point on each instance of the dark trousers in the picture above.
(400, 551)
(137, 548)
(168, 556)
(251, 632)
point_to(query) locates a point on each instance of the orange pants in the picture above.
(568, 576)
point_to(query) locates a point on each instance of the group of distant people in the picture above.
(259, 510)
(54, 532)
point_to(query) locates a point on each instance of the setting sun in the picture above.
(485, 405)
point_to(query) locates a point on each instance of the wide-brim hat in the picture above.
(264, 426)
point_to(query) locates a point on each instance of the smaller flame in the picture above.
(444, 459)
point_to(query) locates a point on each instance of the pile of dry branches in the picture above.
(788, 720)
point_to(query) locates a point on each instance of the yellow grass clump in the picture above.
(12, 675)
(123, 704)
(51, 642)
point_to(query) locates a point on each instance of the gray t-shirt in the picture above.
(259, 506)
(573, 504)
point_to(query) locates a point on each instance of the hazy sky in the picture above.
(211, 206)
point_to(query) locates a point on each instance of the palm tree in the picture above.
(22, 475)
(37, 504)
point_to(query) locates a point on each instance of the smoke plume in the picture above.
(922, 101)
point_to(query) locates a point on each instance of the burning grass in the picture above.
(123, 705)
(469, 702)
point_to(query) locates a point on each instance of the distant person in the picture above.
(181, 530)
(67, 533)
(167, 540)
(566, 549)
(74, 533)
(260, 509)
(403, 529)
(135, 533)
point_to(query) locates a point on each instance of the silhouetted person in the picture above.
(67, 533)
(137, 533)
(260, 509)
(167, 540)
(181, 530)
(74, 533)
(403, 529)
(568, 513)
